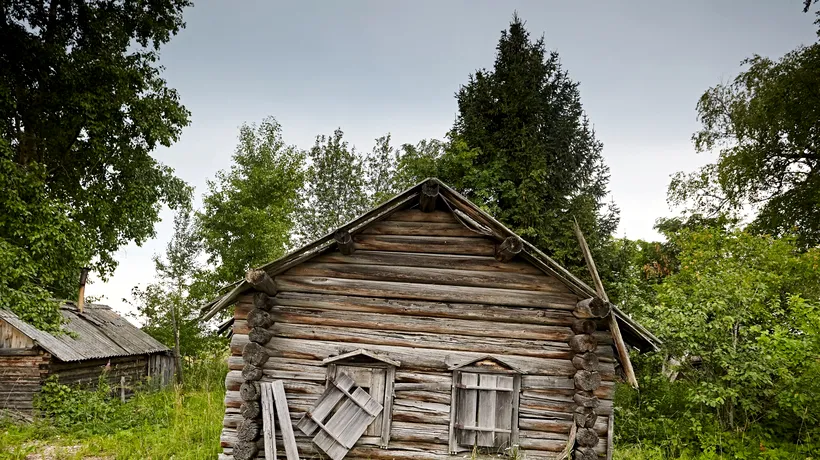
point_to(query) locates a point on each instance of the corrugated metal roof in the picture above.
(98, 332)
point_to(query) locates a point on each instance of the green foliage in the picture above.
(335, 184)
(248, 213)
(535, 161)
(739, 313)
(41, 248)
(170, 305)
(81, 95)
(69, 406)
(764, 127)
(173, 423)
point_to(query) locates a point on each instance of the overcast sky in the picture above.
(377, 67)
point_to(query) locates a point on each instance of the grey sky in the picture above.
(376, 67)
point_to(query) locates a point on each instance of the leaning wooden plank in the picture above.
(291, 451)
(268, 421)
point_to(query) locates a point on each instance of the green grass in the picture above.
(176, 423)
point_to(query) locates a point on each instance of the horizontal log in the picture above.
(410, 357)
(444, 261)
(416, 215)
(468, 311)
(419, 229)
(259, 318)
(586, 437)
(396, 290)
(554, 337)
(441, 341)
(425, 244)
(261, 281)
(424, 275)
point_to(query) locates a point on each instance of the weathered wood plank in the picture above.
(446, 261)
(283, 414)
(421, 358)
(425, 244)
(416, 215)
(269, 422)
(420, 229)
(443, 276)
(396, 290)
(466, 406)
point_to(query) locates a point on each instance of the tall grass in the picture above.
(175, 423)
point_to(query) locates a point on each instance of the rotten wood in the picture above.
(259, 318)
(254, 354)
(587, 380)
(251, 372)
(428, 196)
(585, 361)
(260, 335)
(583, 343)
(508, 249)
(343, 241)
(247, 430)
(250, 391)
(262, 301)
(261, 281)
(594, 307)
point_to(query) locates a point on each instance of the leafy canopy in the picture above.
(82, 106)
(523, 149)
(747, 307)
(170, 304)
(764, 126)
(39, 245)
(247, 217)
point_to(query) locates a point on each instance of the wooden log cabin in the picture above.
(471, 340)
(95, 341)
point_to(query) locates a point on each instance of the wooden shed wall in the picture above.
(87, 372)
(428, 292)
(21, 374)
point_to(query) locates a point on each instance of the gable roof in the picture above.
(469, 215)
(98, 332)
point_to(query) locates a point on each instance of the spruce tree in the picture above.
(536, 163)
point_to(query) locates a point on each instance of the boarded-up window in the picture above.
(339, 417)
(484, 411)
(376, 375)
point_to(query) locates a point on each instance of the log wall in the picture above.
(87, 373)
(22, 371)
(428, 292)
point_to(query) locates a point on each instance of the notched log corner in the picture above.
(261, 281)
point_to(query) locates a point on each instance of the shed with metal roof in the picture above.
(96, 342)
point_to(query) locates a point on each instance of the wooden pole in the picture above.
(122, 388)
(620, 345)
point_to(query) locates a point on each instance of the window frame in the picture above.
(499, 368)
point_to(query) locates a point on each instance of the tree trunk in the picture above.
(177, 357)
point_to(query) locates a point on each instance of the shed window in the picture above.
(484, 410)
(376, 375)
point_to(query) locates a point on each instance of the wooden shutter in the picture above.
(486, 410)
(341, 416)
